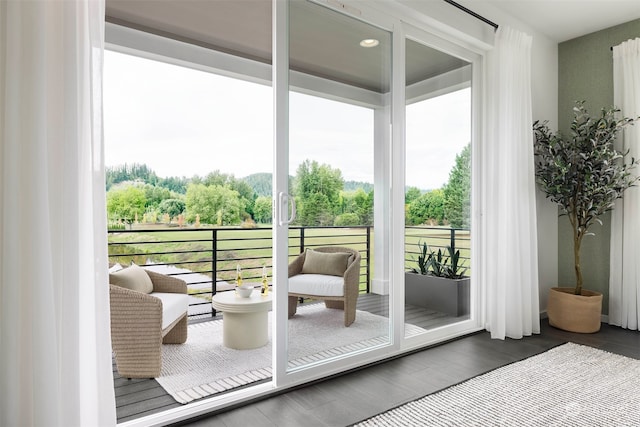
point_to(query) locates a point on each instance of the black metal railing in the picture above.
(207, 258)
(437, 238)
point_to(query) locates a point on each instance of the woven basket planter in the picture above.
(574, 313)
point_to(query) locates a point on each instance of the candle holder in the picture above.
(238, 276)
(264, 290)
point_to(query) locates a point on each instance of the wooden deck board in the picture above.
(146, 407)
(134, 388)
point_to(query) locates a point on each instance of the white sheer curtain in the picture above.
(510, 250)
(624, 273)
(55, 358)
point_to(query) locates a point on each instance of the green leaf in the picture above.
(583, 173)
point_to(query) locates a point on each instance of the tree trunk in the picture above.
(577, 241)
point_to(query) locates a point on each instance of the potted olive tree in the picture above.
(439, 283)
(584, 174)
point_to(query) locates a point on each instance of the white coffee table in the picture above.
(244, 320)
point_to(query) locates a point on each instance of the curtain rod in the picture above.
(472, 13)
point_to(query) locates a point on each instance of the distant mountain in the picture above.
(354, 185)
(260, 182)
(130, 172)
(142, 173)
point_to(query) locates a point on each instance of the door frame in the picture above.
(401, 22)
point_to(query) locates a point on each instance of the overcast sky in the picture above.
(184, 122)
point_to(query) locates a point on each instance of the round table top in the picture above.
(234, 303)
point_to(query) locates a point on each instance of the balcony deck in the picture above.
(136, 398)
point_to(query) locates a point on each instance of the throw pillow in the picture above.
(333, 264)
(132, 277)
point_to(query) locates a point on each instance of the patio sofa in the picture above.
(147, 310)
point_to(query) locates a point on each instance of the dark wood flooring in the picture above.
(354, 396)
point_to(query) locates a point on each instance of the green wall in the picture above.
(585, 72)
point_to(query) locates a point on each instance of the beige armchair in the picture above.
(143, 319)
(330, 273)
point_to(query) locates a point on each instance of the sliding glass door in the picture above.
(346, 241)
(339, 76)
(438, 188)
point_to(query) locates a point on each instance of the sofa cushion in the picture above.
(334, 264)
(173, 306)
(317, 284)
(132, 277)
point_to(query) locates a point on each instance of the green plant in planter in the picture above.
(583, 173)
(454, 269)
(439, 264)
(424, 260)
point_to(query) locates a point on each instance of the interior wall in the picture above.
(585, 72)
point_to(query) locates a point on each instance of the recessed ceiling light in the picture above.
(369, 43)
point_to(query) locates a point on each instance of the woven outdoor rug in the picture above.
(203, 366)
(570, 385)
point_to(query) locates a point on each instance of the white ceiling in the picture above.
(324, 43)
(563, 20)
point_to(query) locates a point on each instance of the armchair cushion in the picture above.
(317, 284)
(173, 306)
(133, 278)
(334, 264)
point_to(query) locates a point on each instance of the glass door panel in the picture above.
(438, 189)
(339, 76)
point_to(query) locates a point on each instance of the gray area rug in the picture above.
(570, 385)
(203, 366)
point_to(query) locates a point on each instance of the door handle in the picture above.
(283, 203)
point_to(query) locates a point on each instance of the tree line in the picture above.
(450, 204)
(323, 198)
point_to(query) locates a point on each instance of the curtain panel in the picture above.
(624, 275)
(55, 356)
(510, 249)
